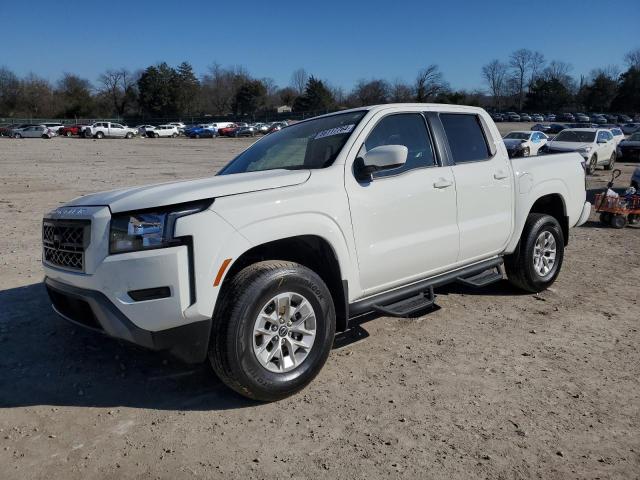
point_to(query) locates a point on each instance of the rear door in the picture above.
(484, 186)
(116, 130)
(404, 219)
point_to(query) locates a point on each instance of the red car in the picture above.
(228, 130)
(70, 130)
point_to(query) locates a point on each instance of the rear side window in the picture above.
(408, 129)
(466, 137)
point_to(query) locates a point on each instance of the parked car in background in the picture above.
(599, 119)
(581, 117)
(541, 127)
(536, 117)
(248, 131)
(227, 130)
(55, 127)
(71, 130)
(163, 131)
(6, 129)
(143, 129)
(630, 128)
(34, 131)
(179, 125)
(497, 117)
(108, 130)
(550, 117)
(618, 134)
(511, 117)
(624, 118)
(524, 143)
(629, 149)
(596, 146)
(567, 117)
(556, 128)
(525, 117)
(276, 126)
(202, 131)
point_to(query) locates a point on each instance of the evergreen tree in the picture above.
(187, 88)
(316, 97)
(628, 97)
(250, 97)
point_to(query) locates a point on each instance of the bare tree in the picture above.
(119, 85)
(495, 74)
(429, 83)
(612, 72)
(371, 92)
(525, 66)
(632, 58)
(220, 85)
(537, 66)
(400, 92)
(299, 80)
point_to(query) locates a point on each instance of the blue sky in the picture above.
(338, 41)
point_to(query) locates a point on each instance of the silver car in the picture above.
(33, 131)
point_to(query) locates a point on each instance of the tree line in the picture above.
(524, 81)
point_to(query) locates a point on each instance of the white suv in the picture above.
(163, 131)
(596, 145)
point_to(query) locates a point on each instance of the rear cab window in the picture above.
(466, 137)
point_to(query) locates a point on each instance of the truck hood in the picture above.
(151, 196)
(569, 146)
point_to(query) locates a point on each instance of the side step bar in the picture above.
(393, 300)
(481, 279)
(408, 306)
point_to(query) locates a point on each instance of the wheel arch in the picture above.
(312, 251)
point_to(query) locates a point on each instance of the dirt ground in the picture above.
(493, 384)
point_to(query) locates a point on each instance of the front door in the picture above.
(404, 219)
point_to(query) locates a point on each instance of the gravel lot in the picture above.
(493, 384)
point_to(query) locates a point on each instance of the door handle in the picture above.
(500, 175)
(442, 183)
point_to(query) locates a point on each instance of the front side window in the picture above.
(307, 145)
(519, 136)
(408, 129)
(466, 137)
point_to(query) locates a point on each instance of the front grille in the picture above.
(64, 243)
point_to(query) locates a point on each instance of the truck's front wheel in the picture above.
(272, 331)
(536, 263)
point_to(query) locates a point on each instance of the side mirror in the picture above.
(379, 158)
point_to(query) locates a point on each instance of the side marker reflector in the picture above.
(223, 268)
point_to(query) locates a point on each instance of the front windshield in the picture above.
(575, 136)
(634, 138)
(518, 136)
(306, 145)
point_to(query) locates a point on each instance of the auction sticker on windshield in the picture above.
(335, 131)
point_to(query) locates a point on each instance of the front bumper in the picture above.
(93, 310)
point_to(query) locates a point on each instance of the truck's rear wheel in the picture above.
(536, 263)
(272, 331)
(99, 135)
(593, 165)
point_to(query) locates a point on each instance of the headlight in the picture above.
(149, 229)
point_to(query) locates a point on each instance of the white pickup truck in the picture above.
(361, 211)
(108, 130)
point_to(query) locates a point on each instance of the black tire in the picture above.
(197, 135)
(633, 219)
(17, 135)
(519, 265)
(526, 152)
(618, 221)
(605, 218)
(592, 165)
(99, 135)
(174, 135)
(129, 136)
(612, 162)
(231, 347)
(156, 135)
(68, 133)
(45, 137)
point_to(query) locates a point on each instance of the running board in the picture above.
(481, 279)
(385, 299)
(407, 306)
